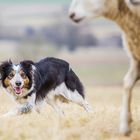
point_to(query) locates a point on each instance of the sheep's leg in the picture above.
(129, 82)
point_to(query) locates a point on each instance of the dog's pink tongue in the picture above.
(18, 90)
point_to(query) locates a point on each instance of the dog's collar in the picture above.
(29, 94)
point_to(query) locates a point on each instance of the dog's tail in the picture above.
(73, 83)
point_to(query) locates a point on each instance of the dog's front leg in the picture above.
(13, 112)
(22, 108)
(28, 106)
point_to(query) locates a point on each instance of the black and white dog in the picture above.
(50, 79)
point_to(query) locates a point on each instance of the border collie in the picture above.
(50, 79)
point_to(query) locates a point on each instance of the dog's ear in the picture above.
(27, 64)
(4, 66)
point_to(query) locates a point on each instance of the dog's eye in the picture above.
(11, 75)
(23, 75)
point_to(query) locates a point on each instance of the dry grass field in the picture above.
(102, 124)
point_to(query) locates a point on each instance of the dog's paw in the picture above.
(26, 109)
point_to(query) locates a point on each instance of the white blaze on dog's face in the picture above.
(17, 81)
(82, 9)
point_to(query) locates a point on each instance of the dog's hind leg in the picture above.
(78, 99)
(38, 107)
(50, 99)
(75, 97)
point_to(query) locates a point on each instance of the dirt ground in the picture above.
(102, 124)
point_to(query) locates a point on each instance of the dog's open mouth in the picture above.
(18, 90)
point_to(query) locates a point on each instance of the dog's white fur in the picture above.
(127, 16)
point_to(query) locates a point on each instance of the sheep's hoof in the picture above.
(125, 130)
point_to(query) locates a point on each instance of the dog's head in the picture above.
(17, 79)
(82, 9)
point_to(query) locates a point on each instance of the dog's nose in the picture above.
(18, 83)
(72, 15)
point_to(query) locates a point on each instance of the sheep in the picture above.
(126, 14)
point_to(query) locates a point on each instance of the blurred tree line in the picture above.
(59, 34)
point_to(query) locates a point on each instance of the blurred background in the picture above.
(34, 29)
